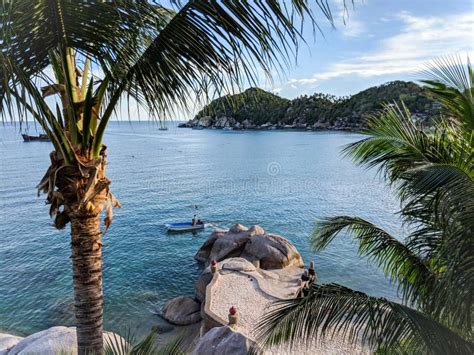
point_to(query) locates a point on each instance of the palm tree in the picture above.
(89, 55)
(432, 169)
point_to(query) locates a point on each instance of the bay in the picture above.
(283, 181)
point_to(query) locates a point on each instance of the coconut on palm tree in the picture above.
(68, 63)
(432, 169)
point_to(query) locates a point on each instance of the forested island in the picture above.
(258, 109)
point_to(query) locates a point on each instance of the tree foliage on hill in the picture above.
(254, 103)
(310, 109)
(366, 102)
(261, 106)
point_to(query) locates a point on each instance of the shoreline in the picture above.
(274, 129)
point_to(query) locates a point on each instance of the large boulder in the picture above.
(201, 284)
(223, 341)
(237, 228)
(182, 310)
(55, 340)
(229, 246)
(224, 121)
(203, 253)
(248, 124)
(271, 251)
(220, 122)
(205, 121)
(193, 122)
(321, 125)
(264, 250)
(7, 342)
(222, 245)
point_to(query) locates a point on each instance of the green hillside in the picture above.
(256, 107)
(254, 103)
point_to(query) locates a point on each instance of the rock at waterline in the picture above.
(237, 228)
(182, 310)
(201, 284)
(55, 340)
(223, 340)
(271, 252)
(7, 342)
(267, 251)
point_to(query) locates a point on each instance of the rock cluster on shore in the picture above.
(51, 341)
(182, 310)
(247, 270)
(264, 250)
(224, 122)
(223, 340)
(260, 249)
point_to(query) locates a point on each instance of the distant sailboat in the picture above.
(162, 126)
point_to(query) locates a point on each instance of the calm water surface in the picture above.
(283, 181)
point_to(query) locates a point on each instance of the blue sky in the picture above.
(373, 42)
(382, 40)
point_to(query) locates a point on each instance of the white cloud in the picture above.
(346, 20)
(420, 40)
(353, 28)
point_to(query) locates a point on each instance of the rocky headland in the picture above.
(256, 109)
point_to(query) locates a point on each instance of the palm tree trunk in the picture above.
(78, 194)
(87, 279)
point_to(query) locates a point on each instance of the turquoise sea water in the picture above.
(283, 181)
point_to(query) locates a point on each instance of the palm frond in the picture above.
(445, 190)
(430, 271)
(103, 29)
(165, 59)
(41, 111)
(129, 345)
(209, 48)
(431, 171)
(394, 143)
(173, 347)
(413, 277)
(116, 345)
(333, 311)
(450, 81)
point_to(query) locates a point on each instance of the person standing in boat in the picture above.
(194, 220)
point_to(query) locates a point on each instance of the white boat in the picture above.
(184, 226)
